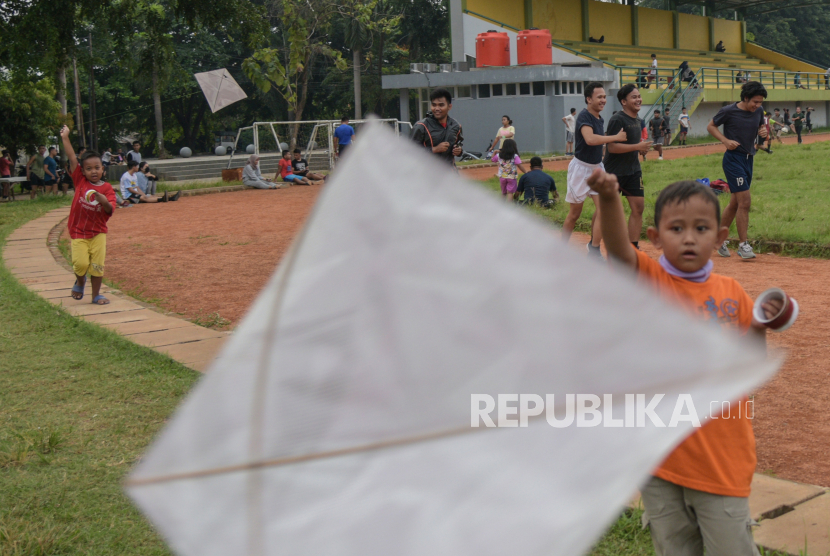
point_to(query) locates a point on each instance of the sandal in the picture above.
(79, 289)
(98, 299)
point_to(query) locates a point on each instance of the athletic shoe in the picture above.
(594, 251)
(176, 196)
(723, 250)
(745, 251)
(164, 198)
(659, 158)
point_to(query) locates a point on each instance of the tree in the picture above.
(305, 28)
(30, 112)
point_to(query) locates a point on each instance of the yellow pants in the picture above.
(88, 255)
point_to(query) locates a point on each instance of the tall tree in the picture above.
(30, 111)
(287, 69)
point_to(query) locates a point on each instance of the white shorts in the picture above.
(578, 174)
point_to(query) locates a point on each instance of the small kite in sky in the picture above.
(220, 88)
(339, 418)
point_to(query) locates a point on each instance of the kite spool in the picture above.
(220, 150)
(185, 152)
(250, 149)
(785, 317)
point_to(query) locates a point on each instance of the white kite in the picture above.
(220, 88)
(338, 419)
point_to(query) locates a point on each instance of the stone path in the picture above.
(792, 516)
(42, 269)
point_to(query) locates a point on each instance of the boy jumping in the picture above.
(698, 499)
(91, 208)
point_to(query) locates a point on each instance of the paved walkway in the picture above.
(35, 260)
(792, 516)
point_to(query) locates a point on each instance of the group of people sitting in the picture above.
(292, 170)
(138, 185)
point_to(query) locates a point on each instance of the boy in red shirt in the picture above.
(91, 208)
(699, 496)
(287, 171)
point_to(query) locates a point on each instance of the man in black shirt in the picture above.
(623, 159)
(659, 127)
(742, 122)
(589, 139)
(536, 185)
(438, 132)
(299, 166)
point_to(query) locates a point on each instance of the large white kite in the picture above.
(337, 420)
(220, 88)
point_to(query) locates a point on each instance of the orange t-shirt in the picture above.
(718, 458)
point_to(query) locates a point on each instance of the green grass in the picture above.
(78, 406)
(790, 196)
(174, 186)
(626, 537)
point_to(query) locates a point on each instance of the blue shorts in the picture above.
(291, 177)
(738, 169)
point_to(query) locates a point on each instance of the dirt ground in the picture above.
(212, 254)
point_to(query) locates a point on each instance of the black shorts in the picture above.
(631, 185)
(36, 180)
(342, 148)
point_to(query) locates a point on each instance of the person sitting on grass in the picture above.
(91, 208)
(147, 182)
(300, 168)
(287, 171)
(132, 193)
(537, 185)
(698, 498)
(252, 176)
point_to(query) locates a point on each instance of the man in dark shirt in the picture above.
(438, 132)
(798, 122)
(623, 159)
(742, 122)
(299, 166)
(659, 127)
(588, 141)
(536, 185)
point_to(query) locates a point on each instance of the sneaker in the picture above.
(723, 250)
(594, 251)
(176, 196)
(164, 198)
(745, 251)
(659, 158)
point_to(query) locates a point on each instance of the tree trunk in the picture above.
(93, 108)
(157, 106)
(301, 100)
(61, 96)
(358, 103)
(380, 67)
(79, 108)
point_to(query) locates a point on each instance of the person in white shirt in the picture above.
(685, 126)
(652, 75)
(132, 193)
(570, 122)
(105, 158)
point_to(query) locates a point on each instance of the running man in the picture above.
(658, 127)
(623, 159)
(741, 122)
(589, 139)
(570, 122)
(685, 126)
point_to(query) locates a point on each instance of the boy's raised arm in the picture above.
(614, 227)
(67, 147)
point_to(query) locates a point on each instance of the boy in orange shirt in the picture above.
(698, 497)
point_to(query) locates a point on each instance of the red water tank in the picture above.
(533, 47)
(492, 49)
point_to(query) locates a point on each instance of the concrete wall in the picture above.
(694, 32)
(611, 20)
(562, 18)
(728, 31)
(511, 12)
(656, 28)
(779, 60)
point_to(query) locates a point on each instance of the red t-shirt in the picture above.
(87, 219)
(4, 167)
(285, 167)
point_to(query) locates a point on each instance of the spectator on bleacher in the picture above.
(147, 182)
(652, 74)
(536, 186)
(797, 80)
(506, 131)
(252, 176)
(642, 79)
(719, 47)
(659, 127)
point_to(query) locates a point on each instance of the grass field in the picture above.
(790, 197)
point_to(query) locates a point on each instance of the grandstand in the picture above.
(631, 34)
